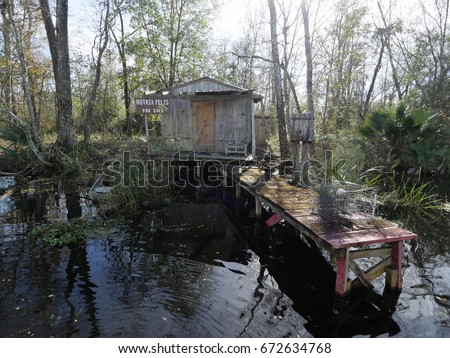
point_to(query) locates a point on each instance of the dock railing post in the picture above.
(342, 271)
(258, 208)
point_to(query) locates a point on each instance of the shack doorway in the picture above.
(204, 126)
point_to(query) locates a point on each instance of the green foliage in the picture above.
(59, 234)
(349, 155)
(415, 140)
(13, 148)
(14, 135)
(173, 40)
(411, 194)
(141, 192)
(352, 157)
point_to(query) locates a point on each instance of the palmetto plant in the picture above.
(415, 140)
(13, 143)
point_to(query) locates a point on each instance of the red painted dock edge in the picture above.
(274, 219)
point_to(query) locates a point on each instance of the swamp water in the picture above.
(198, 270)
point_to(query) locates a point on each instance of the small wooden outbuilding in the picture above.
(209, 117)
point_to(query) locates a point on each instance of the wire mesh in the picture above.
(340, 199)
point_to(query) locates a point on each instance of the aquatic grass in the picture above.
(412, 194)
(138, 196)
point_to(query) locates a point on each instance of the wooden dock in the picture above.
(348, 236)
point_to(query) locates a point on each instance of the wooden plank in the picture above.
(360, 238)
(370, 252)
(378, 269)
(359, 273)
(394, 233)
(299, 207)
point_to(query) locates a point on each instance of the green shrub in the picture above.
(412, 140)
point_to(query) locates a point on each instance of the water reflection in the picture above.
(197, 270)
(426, 289)
(195, 280)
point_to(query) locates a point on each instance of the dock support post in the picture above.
(258, 207)
(305, 164)
(342, 272)
(198, 172)
(295, 164)
(397, 257)
(391, 277)
(224, 184)
(238, 190)
(224, 178)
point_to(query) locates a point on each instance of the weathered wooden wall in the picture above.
(229, 115)
(264, 128)
(232, 115)
(176, 125)
(233, 112)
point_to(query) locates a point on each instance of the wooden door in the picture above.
(203, 125)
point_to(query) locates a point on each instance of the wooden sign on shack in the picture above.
(152, 104)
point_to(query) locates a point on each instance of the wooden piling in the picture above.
(391, 277)
(397, 257)
(342, 286)
(238, 190)
(258, 207)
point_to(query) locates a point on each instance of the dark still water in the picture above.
(196, 270)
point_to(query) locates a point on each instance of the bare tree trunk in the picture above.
(103, 43)
(282, 133)
(387, 41)
(307, 146)
(18, 37)
(374, 77)
(120, 43)
(6, 30)
(28, 132)
(58, 41)
(309, 68)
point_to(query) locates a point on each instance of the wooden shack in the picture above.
(211, 118)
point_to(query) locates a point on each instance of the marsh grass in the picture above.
(412, 194)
